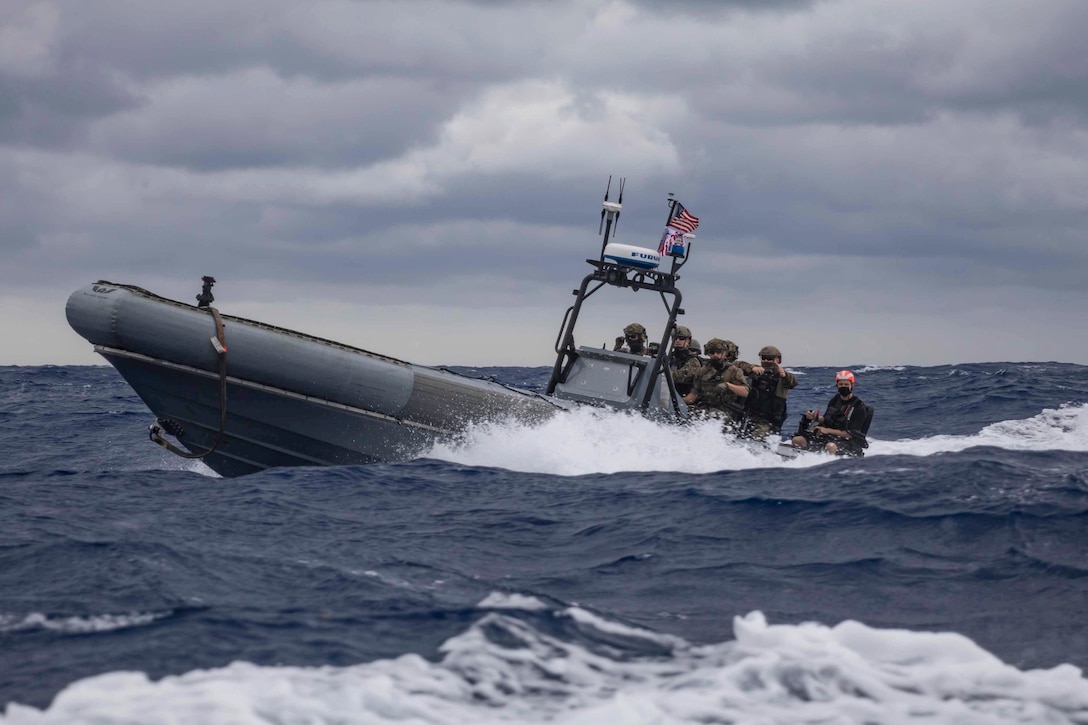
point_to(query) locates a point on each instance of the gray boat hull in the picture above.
(292, 399)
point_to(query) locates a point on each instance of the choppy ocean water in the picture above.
(597, 569)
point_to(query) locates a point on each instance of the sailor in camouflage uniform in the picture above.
(633, 340)
(718, 389)
(683, 360)
(770, 385)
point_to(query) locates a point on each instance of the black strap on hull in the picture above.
(159, 427)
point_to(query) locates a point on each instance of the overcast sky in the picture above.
(878, 181)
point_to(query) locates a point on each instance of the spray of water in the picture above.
(598, 441)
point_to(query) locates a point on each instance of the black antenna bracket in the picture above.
(205, 298)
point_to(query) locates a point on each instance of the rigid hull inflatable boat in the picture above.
(243, 396)
(291, 399)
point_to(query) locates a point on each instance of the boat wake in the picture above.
(590, 441)
(1061, 429)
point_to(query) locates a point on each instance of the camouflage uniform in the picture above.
(767, 408)
(713, 396)
(683, 361)
(632, 332)
(684, 376)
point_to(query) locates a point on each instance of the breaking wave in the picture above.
(76, 625)
(506, 669)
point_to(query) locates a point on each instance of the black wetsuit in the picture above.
(852, 416)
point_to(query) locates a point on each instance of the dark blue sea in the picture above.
(598, 568)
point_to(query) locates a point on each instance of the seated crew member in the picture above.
(771, 385)
(683, 360)
(718, 389)
(843, 426)
(633, 340)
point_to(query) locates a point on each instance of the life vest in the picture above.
(733, 403)
(852, 409)
(715, 378)
(763, 404)
(676, 363)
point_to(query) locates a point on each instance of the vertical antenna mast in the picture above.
(610, 214)
(606, 188)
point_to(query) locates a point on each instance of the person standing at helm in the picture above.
(841, 430)
(770, 385)
(633, 340)
(718, 388)
(683, 360)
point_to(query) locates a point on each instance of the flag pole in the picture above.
(672, 205)
(672, 208)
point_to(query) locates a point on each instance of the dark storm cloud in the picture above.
(256, 119)
(884, 66)
(454, 154)
(251, 84)
(53, 111)
(330, 40)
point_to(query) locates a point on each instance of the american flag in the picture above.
(672, 243)
(683, 220)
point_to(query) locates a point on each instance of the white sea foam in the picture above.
(77, 625)
(587, 618)
(878, 368)
(505, 600)
(1061, 429)
(588, 440)
(171, 462)
(808, 673)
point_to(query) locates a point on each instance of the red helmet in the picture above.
(844, 375)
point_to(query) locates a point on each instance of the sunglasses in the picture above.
(764, 358)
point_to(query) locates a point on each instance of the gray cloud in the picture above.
(54, 111)
(256, 119)
(914, 166)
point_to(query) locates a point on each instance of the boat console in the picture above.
(620, 379)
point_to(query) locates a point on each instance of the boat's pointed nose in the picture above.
(92, 312)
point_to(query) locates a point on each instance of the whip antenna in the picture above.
(606, 188)
(610, 214)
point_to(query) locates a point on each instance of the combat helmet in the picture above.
(770, 351)
(680, 332)
(731, 350)
(634, 329)
(713, 345)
